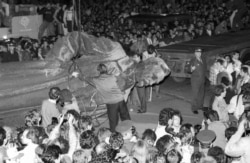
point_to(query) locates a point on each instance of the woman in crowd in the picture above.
(219, 103)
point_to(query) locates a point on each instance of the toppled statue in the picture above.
(26, 84)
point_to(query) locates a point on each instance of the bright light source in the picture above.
(5, 37)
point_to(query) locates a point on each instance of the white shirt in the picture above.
(145, 55)
(160, 131)
(186, 151)
(239, 146)
(29, 154)
(237, 65)
(236, 108)
(220, 106)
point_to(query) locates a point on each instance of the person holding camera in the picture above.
(239, 146)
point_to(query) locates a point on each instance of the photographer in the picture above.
(239, 146)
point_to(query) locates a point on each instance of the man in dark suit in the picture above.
(198, 70)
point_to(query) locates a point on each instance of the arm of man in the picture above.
(237, 145)
(55, 16)
(231, 107)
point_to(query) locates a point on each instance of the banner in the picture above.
(26, 26)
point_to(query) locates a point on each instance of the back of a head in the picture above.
(103, 133)
(208, 159)
(2, 135)
(197, 157)
(149, 134)
(229, 132)
(87, 140)
(220, 61)
(33, 134)
(212, 115)
(225, 81)
(85, 122)
(80, 156)
(163, 142)
(51, 154)
(217, 153)
(164, 116)
(140, 151)
(173, 156)
(151, 49)
(218, 90)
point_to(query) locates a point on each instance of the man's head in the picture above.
(212, 115)
(51, 154)
(198, 52)
(126, 128)
(220, 91)
(206, 138)
(236, 55)
(66, 96)
(85, 123)
(225, 81)
(102, 68)
(48, 5)
(30, 135)
(165, 116)
(217, 153)
(151, 49)
(54, 93)
(244, 71)
(87, 140)
(220, 64)
(11, 47)
(149, 137)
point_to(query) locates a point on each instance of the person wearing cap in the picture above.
(198, 70)
(11, 55)
(69, 101)
(205, 138)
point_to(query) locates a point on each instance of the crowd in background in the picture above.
(62, 133)
(111, 19)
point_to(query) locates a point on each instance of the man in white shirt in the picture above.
(49, 108)
(30, 139)
(214, 70)
(239, 146)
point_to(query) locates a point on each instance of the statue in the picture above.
(26, 84)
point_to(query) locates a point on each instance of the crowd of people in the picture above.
(60, 132)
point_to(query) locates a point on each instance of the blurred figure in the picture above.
(48, 21)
